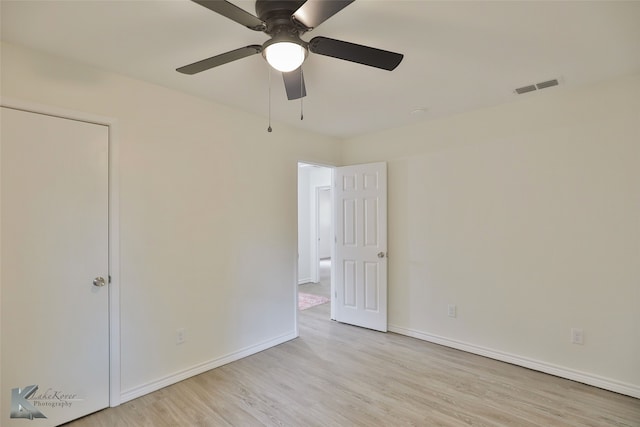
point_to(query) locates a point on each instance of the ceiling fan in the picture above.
(285, 21)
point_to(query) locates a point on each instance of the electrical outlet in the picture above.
(577, 336)
(452, 311)
(180, 336)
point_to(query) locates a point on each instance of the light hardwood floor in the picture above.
(340, 375)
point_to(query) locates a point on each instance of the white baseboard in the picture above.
(150, 387)
(304, 280)
(548, 368)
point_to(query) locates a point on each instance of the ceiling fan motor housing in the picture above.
(277, 14)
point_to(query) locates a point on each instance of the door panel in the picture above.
(349, 219)
(361, 245)
(54, 242)
(371, 286)
(349, 283)
(371, 222)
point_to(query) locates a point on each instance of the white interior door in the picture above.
(361, 245)
(54, 243)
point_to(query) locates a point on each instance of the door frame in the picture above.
(333, 245)
(114, 225)
(316, 273)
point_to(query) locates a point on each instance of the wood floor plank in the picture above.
(341, 375)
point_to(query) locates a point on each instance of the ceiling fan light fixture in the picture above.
(285, 56)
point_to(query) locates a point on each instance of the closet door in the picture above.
(54, 268)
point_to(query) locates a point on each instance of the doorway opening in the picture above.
(358, 241)
(315, 238)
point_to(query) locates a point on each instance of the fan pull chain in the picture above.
(301, 94)
(269, 128)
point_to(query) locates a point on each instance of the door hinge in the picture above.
(109, 278)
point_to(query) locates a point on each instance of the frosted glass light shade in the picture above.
(285, 56)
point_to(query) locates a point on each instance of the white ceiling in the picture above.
(458, 55)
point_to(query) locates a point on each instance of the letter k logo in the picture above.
(21, 407)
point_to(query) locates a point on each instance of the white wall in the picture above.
(527, 217)
(207, 214)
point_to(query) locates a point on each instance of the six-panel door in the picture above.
(361, 245)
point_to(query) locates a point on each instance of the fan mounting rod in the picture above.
(278, 12)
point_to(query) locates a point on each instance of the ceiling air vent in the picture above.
(538, 86)
(525, 89)
(547, 84)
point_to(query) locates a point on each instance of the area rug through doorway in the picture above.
(307, 300)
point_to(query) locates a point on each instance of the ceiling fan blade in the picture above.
(294, 84)
(234, 13)
(355, 53)
(314, 12)
(217, 60)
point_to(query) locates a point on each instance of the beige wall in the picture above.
(207, 213)
(527, 217)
